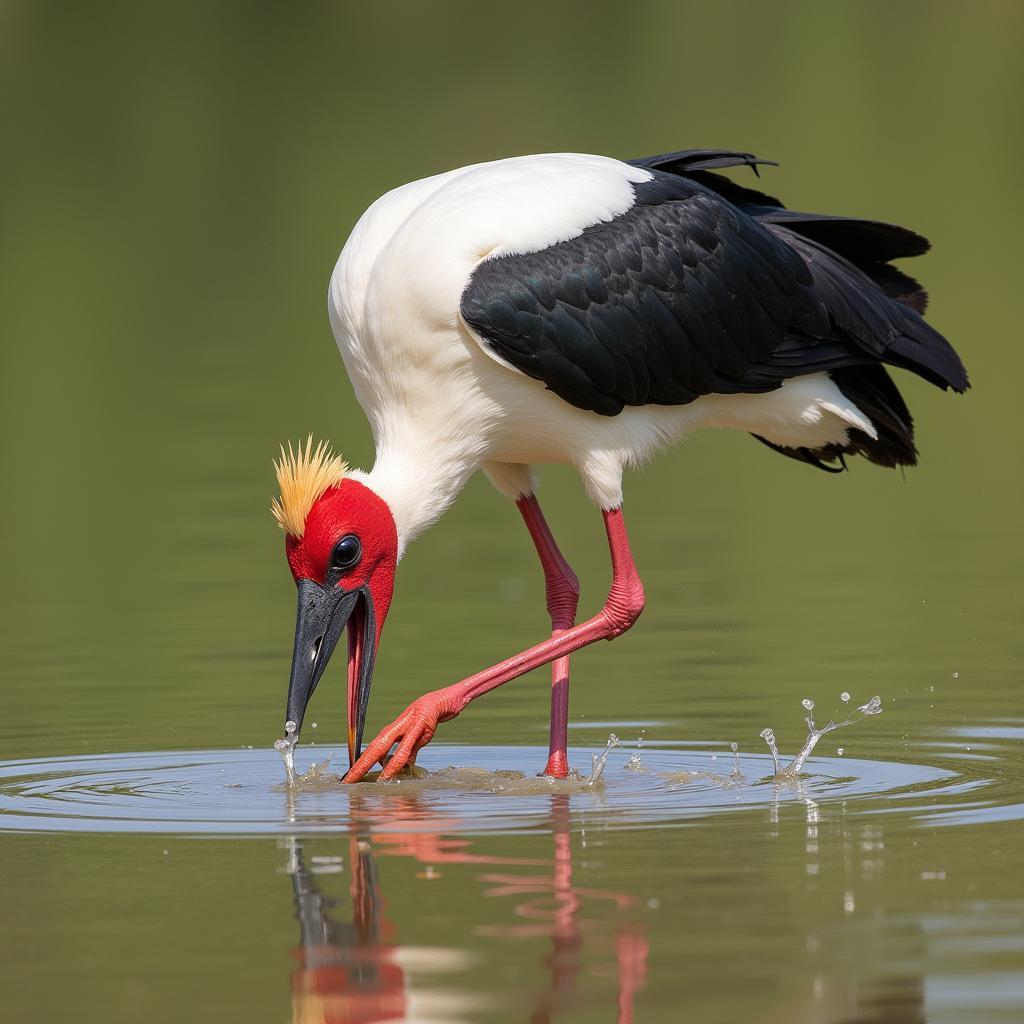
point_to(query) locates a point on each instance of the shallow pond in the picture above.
(860, 889)
(177, 185)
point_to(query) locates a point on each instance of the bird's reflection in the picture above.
(351, 967)
(346, 969)
(550, 904)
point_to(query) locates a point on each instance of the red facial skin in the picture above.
(349, 508)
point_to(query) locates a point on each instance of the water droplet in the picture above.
(599, 761)
(312, 725)
(286, 748)
(844, 697)
(840, 751)
(808, 703)
(956, 675)
(734, 747)
(653, 904)
(849, 902)
(873, 707)
(769, 737)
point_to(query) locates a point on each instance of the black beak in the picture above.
(322, 614)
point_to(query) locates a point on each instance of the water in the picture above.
(475, 789)
(872, 707)
(598, 761)
(286, 748)
(176, 186)
(554, 881)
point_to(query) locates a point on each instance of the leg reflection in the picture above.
(564, 912)
(350, 966)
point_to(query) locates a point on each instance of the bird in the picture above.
(589, 311)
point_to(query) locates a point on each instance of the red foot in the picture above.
(413, 729)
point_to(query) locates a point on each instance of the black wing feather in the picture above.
(705, 287)
(691, 292)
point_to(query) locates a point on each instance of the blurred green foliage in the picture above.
(177, 181)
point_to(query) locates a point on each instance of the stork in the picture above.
(578, 309)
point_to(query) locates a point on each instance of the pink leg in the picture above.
(563, 592)
(415, 727)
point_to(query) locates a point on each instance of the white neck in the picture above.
(418, 487)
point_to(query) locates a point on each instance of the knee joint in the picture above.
(624, 605)
(562, 589)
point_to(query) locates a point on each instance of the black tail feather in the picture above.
(696, 165)
(898, 285)
(859, 313)
(804, 455)
(867, 244)
(891, 332)
(873, 392)
(860, 241)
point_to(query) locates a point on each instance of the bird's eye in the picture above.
(346, 553)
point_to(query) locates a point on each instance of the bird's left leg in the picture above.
(415, 727)
(562, 590)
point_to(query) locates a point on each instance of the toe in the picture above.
(405, 751)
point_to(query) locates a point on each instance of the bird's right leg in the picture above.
(562, 590)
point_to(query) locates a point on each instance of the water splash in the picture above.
(317, 773)
(736, 773)
(600, 760)
(769, 737)
(872, 707)
(286, 748)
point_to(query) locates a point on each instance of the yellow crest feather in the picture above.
(302, 476)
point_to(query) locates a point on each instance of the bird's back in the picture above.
(705, 287)
(623, 284)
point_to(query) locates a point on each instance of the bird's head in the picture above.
(342, 548)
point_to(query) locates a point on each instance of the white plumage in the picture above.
(441, 404)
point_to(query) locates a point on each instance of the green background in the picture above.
(176, 183)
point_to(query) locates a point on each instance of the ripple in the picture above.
(239, 792)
